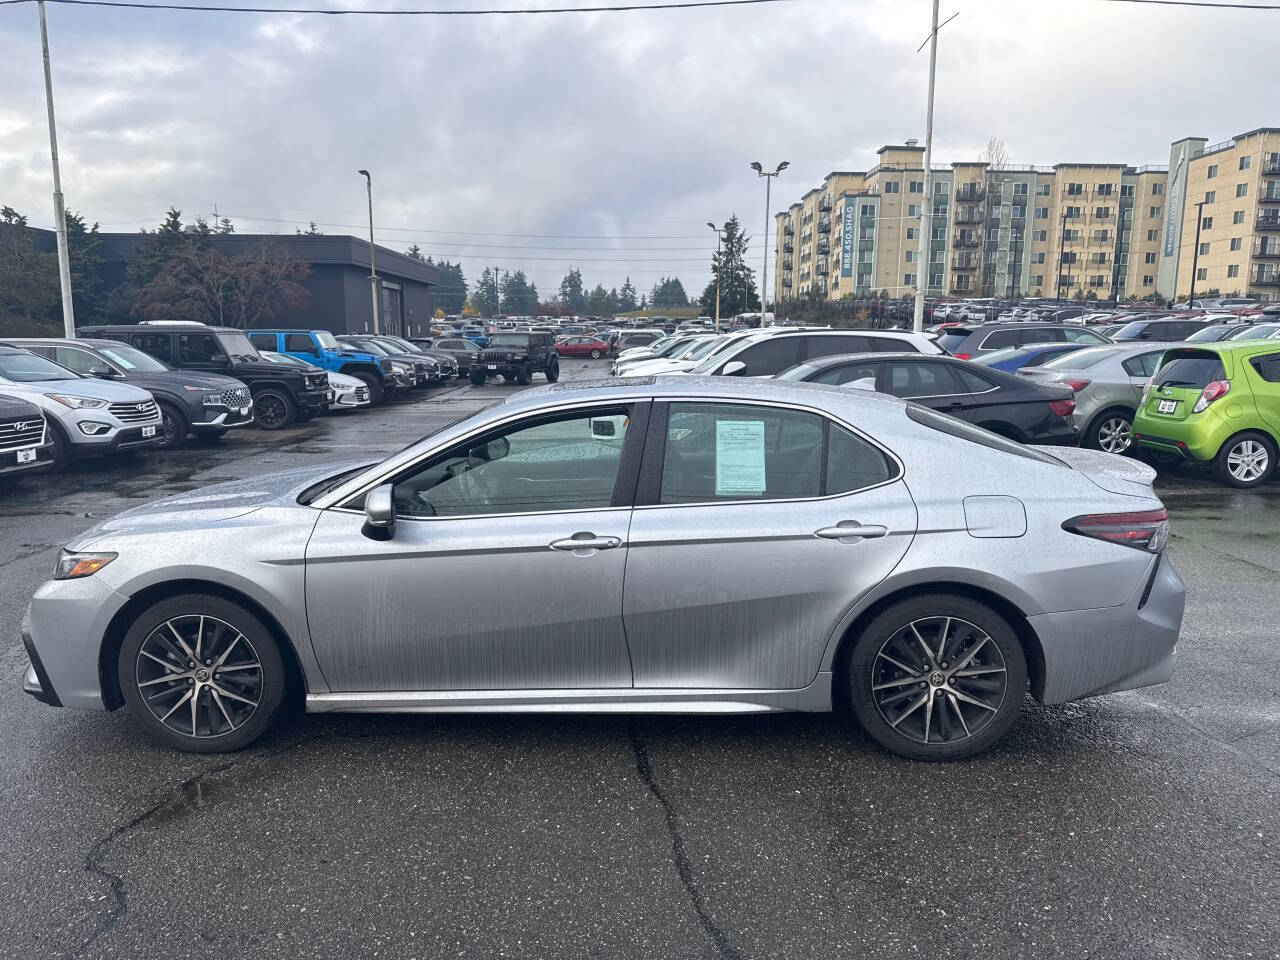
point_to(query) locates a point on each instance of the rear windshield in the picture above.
(1079, 359)
(1189, 368)
(949, 341)
(967, 431)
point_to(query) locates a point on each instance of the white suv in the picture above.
(768, 354)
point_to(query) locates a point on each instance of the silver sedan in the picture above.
(673, 545)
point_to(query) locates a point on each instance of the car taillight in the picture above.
(963, 356)
(1211, 392)
(1076, 385)
(1144, 530)
(1062, 408)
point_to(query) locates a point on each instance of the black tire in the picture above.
(595, 354)
(274, 409)
(264, 684)
(524, 376)
(61, 449)
(1000, 658)
(1101, 434)
(174, 426)
(374, 384)
(1258, 448)
(553, 370)
(477, 377)
(509, 377)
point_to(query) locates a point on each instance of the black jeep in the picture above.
(517, 356)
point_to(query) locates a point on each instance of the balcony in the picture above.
(824, 224)
(1270, 195)
(789, 230)
(971, 193)
(821, 268)
(1265, 278)
(824, 203)
(966, 238)
(1268, 221)
(968, 216)
(788, 247)
(824, 246)
(786, 282)
(965, 261)
(1271, 166)
(1266, 248)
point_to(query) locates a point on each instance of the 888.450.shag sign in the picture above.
(848, 227)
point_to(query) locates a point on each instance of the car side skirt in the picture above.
(815, 698)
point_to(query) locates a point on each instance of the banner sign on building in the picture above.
(1173, 208)
(848, 236)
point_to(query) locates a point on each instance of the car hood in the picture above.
(652, 367)
(1109, 471)
(344, 381)
(107, 390)
(212, 504)
(177, 379)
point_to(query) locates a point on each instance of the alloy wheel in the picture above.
(939, 680)
(199, 676)
(1247, 461)
(1115, 435)
(271, 410)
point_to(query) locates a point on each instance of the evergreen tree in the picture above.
(737, 281)
(28, 282)
(413, 253)
(572, 295)
(668, 292)
(519, 296)
(485, 299)
(627, 297)
(86, 272)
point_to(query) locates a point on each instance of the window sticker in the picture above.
(739, 457)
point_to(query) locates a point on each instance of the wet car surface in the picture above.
(1139, 824)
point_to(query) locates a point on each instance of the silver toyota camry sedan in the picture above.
(673, 545)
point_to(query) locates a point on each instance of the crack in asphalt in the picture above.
(118, 911)
(1226, 745)
(684, 869)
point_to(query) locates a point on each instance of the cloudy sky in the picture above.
(601, 140)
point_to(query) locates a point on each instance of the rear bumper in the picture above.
(1105, 649)
(1172, 445)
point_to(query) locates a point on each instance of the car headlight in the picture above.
(400, 367)
(213, 399)
(73, 566)
(77, 403)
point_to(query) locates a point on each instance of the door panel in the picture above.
(468, 603)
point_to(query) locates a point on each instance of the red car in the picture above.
(592, 347)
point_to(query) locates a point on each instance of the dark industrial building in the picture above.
(339, 281)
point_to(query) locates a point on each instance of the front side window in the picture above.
(849, 373)
(23, 367)
(569, 463)
(1077, 335)
(327, 340)
(298, 343)
(81, 361)
(197, 348)
(237, 345)
(833, 345)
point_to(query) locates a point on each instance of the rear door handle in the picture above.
(851, 531)
(583, 543)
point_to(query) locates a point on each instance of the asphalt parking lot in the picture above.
(1144, 824)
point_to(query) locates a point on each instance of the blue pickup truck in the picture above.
(322, 348)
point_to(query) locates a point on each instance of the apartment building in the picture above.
(1101, 229)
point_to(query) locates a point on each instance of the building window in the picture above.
(1104, 189)
(1040, 236)
(993, 233)
(1233, 271)
(868, 210)
(1043, 189)
(1238, 217)
(1242, 189)
(1149, 257)
(1019, 189)
(1236, 243)
(1101, 213)
(935, 279)
(1075, 189)
(1212, 171)
(1157, 189)
(1245, 161)
(908, 279)
(1037, 279)
(916, 186)
(1210, 196)
(1206, 223)
(1042, 213)
(1204, 249)
(1073, 212)
(913, 210)
(1071, 236)
(1202, 273)
(941, 187)
(1154, 213)
(909, 255)
(1038, 257)
(1097, 280)
(1153, 235)
(891, 186)
(1148, 280)
(939, 256)
(1126, 189)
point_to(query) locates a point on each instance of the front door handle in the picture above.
(851, 531)
(583, 543)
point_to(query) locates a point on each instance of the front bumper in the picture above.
(220, 418)
(44, 458)
(313, 401)
(62, 631)
(1105, 649)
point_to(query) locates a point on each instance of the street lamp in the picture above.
(764, 272)
(373, 270)
(719, 235)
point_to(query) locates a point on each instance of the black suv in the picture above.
(282, 395)
(517, 356)
(206, 404)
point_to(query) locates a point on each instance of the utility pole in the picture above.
(718, 266)
(1115, 271)
(1195, 257)
(1062, 238)
(59, 210)
(926, 209)
(764, 271)
(373, 270)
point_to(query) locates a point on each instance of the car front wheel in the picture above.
(595, 354)
(174, 427)
(201, 673)
(937, 677)
(524, 375)
(477, 377)
(1246, 460)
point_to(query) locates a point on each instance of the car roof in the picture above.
(862, 356)
(1233, 347)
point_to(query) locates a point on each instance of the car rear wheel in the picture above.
(273, 409)
(937, 677)
(201, 673)
(595, 354)
(1111, 432)
(1246, 460)
(553, 370)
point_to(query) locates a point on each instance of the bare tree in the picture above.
(995, 156)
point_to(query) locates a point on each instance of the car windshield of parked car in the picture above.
(509, 340)
(1259, 331)
(238, 346)
(1078, 359)
(700, 350)
(22, 367)
(131, 359)
(1211, 334)
(368, 346)
(327, 340)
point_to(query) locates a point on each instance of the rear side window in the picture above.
(1189, 368)
(967, 431)
(971, 382)
(849, 373)
(1001, 338)
(264, 341)
(1144, 365)
(159, 345)
(1267, 367)
(830, 346)
(853, 463)
(889, 345)
(919, 380)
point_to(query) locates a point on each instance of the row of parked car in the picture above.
(1057, 385)
(131, 386)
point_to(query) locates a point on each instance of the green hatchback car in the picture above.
(1216, 403)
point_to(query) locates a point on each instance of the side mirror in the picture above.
(734, 368)
(379, 513)
(102, 373)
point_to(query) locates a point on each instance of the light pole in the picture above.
(59, 211)
(764, 271)
(923, 266)
(1195, 256)
(719, 235)
(373, 270)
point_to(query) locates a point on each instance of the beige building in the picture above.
(1073, 229)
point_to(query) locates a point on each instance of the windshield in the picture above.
(27, 368)
(404, 345)
(326, 339)
(710, 360)
(801, 372)
(1189, 368)
(1004, 353)
(1078, 359)
(273, 357)
(699, 350)
(509, 340)
(1259, 331)
(238, 346)
(128, 358)
(368, 346)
